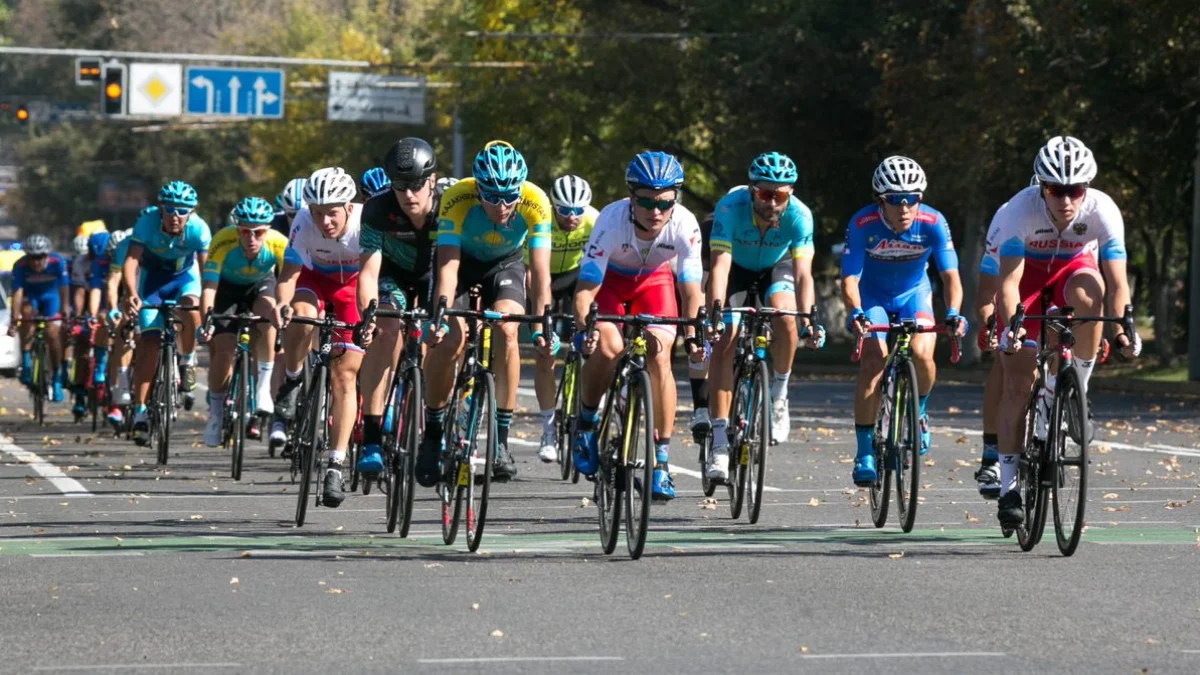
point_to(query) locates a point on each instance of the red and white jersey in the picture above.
(615, 248)
(1022, 228)
(336, 258)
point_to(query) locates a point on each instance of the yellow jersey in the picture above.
(463, 223)
(227, 261)
(566, 248)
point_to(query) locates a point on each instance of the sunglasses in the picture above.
(498, 198)
(253, 229)
(902, 198)
(409, 186)
(1060, 191)
(776, 196)
(172, 210)
(568, 211)
(650, 203)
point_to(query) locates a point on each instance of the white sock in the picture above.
(1008, 473)
(779, 385)
(293, 376)
(719, 437)
(265, 368)
(1085, 368)
(547, 420)
(337, 456)
(123, 378)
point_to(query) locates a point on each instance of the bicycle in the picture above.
(897, 444)
(405, 399)
(750, 414)
(126, 335)
(467, 476)
(566, 400)
(240, 401)
(83, 333)
(39, 369)
(163, 402)
(626, 432)
(1046, 465)
(307, 448)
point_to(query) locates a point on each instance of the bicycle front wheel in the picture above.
(880, 492)
(566, 412)
(638, 440)
(405, 439)
(240, 389)
(1068, 467)
(483, 442)
(311, 426)
(739, 421)
(610, 474)
(756, 441)
(39, 379)
(1029, 471)
(907, 452)
(166, 402)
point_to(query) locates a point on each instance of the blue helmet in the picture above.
(375, 182)
(97, 243)
(178, 192)
(773, 167)
(253, 211)
(499, 167)
(654, 169)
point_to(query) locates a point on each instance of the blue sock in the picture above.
(101, 363)
(660, 451)
(865, 434)
(922, 400)
(27, 360)
(139, 409)
(589, 417)
(991, 452)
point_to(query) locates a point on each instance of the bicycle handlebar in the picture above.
(912, 328)
(1068, 318)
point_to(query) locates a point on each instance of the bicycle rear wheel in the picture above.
(880, 492)
(738, 429)
(611, 476)
(454, 472)
(753, 453)
(404, 441)
(567, 401)
(240, 389)
(1033, 499)
(639, 461)
(40, 364)
(482, 427)
(1068, 466)
(308, 443)
(907, 456)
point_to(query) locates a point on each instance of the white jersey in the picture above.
(336, 258)
(81, 268)
(613, 246)
(1022, 228)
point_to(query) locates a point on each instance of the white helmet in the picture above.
(1034, 181)
(80, 244)
(291, 197)
(331, 185)
(1064, 160)
(115, 240)
(571, 191)
(898, 174)
(444, 184)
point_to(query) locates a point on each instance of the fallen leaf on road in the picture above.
(1103, 449)
(497, 633)
(233, 581)
(245, 554)
(584, 502)
(1111, 509)
(339, 528)
(432, 565)
(335, 591)
(971, 518)
(708, 504)
(930, 462)
(896, 556)
(126, 467)
(1152, 429)
(814, 502)
(64, 503)
(960, 440)
(474, 605)
(1111, 495)
(196, 516)
(71, 468)
(953, 410)
(1176, 505)
(964, 463)
(803, 649)
(845, 460)
(30, 480)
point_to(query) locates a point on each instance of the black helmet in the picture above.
(409, 159)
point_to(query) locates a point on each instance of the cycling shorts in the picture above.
(502, 279)
(400, 288)
(157, 286)
(562, 287)
(239, 299)
(46, 303)
(1038, 275)
(652, 294)
(335, 298)
(916, 303)
(781, 278)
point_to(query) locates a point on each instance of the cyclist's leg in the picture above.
(701, 422)
(721, 367)
(866, 394)
(562, 288)
(596, 372)
(263, 305)
(656, 295)
(781, 294)
(1083, 289)
(378, 366)
(918, 304)
(504, 291)
(189, 297)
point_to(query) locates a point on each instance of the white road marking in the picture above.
(905, 655)
(675, 468)
(64, 484)
(518, 659)
(139, 666)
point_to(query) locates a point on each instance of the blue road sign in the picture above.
(235, 92)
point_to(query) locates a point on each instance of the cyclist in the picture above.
(320, 273)
(888, 245)
(79, 265)
(398, 232)
(166, 251)
(239, 276)
(573, 218)
(97, 264)
(701, 422)
(289, 200)
(483, 222)
(122, 356)
(627, 270)
(40, 283)
(374, 182)
(1060, 235)
(762, 235)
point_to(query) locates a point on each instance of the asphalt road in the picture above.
(111, 564)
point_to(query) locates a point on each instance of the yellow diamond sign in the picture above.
(154, 88)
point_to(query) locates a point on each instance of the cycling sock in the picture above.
(865, 434)
(588, 417)
(27, 360)
(337, 457)
(216, 403)
(503, 422)
(922, 401)
(372, 429)
(1084, 367)
(699, 390)
(991, 453)
(101, 363)
(779, 385)
(188, 359)
(293, 375)
(123, 377)
(661, 448)
(139, 409)
(265, 370)
(547, 420)
(434, 419)
(719, 436)
(1008, 473)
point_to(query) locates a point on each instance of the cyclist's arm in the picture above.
(16, 304)
(851, 297)
(1118, 289)
(201, 258)
(78, 299)
(208, 296)
(93, 301)
(129, 270)
(585, 295)
(539, 263)
(448, 258)
(985, 297)
(1011, 268)
(368, 278)
(112, 287)
(692, 294)
(952, 289)
(64, 294)
(806, 289)
(286, 288)
(853, 257)
(718, 275)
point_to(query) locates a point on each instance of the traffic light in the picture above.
(112, 96)
(87, 70)
(22, 114)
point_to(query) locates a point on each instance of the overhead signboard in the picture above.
(362, 97)
(235, 92)
(155, 89)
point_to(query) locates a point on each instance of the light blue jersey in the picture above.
(735, 231)
(164, 253)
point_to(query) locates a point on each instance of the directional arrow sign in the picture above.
(235, 92)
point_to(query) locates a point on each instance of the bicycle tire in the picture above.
(707, 484)
(310, 444)
(392, 441)
(736, 482)
(908, 448)
(483, 421)
(637, 513)
(879, 494)
(240, 391)
(753, 451)
(1029, 532)
(407, 438)
(448, 485)
(166, 403)
(39, 385)
(610, 475)
(565, 411)
(1069, 503)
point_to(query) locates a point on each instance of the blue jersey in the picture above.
(890, 264)
(52, 277)
(100, 267)
(163, 253)
(734, 231)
